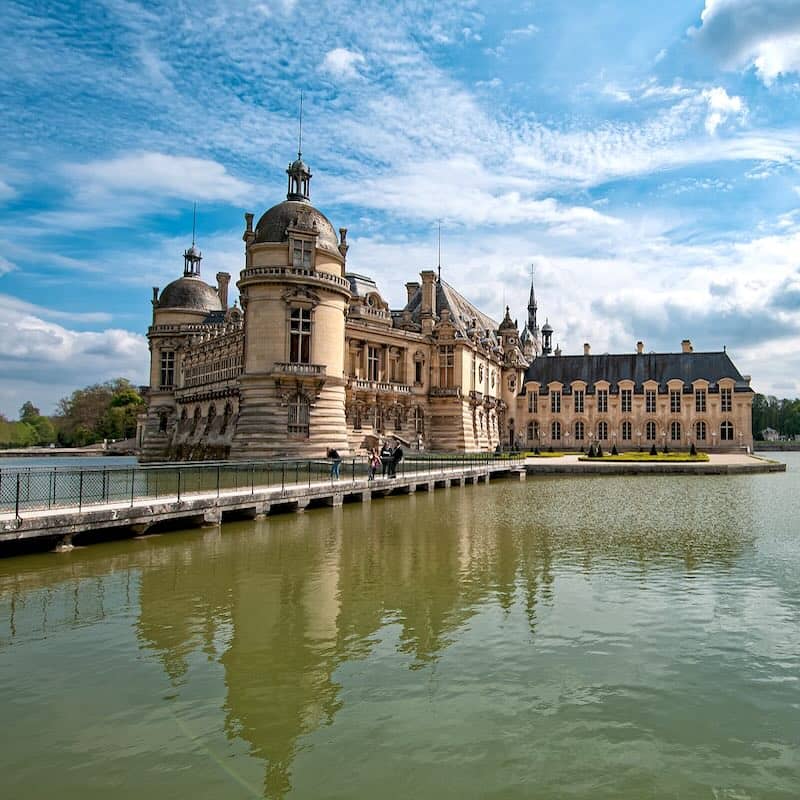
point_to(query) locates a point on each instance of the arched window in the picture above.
(163, 418)
(650, 431)
(212, 415)
(627, 431)
(726, 431)
(298, 414)
(675, 431)
(579, 431)
(533, 431)
(700, 431)
(602, 431)
(555, 430)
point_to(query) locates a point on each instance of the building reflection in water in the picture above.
(289, 599)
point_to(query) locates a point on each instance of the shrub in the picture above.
(599, 452)
(614, 451)
(591, 452)
(653, 451)
(693, 451)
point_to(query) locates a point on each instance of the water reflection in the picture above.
(283, 603)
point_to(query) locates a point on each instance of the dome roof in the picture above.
(273, 224)
(190, 292)
(546, 328)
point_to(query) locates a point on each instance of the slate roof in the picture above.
(463, 314)
(661, 367)
(274, 222)
(190, 292)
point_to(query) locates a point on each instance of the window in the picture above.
(675, 431)
(700, 400)
(418, 420)
(162, 422)
(579, 431)
(626, 400)
(300, 336)
(167, 368)
(555, 401)
(555, 431)
(357, 418)
(474, 371)
(726, 399)
(301, 253)
(650, 401)
(602, 401)
(700, 431)
(373, 363)
(726, 431)
(533, 401)
(674, 400)
(578, 394)
(650, 431)
(627, 431)
(418, 373)
(298, 415)
(533, 431)
(377, 418)
(446, 365)
(602, 430)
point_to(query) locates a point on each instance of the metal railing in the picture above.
(29, 489)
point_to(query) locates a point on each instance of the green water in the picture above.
(561, 638)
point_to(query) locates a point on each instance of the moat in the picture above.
(583, 637)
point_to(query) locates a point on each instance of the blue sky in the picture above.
(644, 156)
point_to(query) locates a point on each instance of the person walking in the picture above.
(397, 457)
(336, 462)
(374, 463)
(386, 458)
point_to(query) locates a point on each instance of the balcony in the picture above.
(379, 387)
(445, 391)
(290, 369)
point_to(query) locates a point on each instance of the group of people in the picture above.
(386, 459)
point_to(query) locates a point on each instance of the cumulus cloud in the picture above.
(6, 191)
(342, 63)
(759, 34)
(721, 106)
(6, 265)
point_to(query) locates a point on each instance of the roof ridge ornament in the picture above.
(298, 171)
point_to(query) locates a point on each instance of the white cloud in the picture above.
(342, 63)
(721, 106)
(6, 265)
(759, 34)
(6, 191)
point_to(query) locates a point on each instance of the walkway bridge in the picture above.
(53, 505)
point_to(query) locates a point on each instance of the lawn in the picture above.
(635, 456)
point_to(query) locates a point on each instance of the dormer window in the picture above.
(301, 253)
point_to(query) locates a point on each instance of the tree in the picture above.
(28, 411)
(101, 411)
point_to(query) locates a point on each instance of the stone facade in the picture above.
(314, 358)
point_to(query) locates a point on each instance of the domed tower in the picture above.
(179, 310)
(295, 297)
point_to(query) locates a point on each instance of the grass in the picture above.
(542, 454)
(671, 457)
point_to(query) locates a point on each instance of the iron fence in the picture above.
(43, 488)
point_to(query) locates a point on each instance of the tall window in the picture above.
(298, 415)
(627, 431)
(446, 365)
(726, 399)
(602, 400)
(700, 400)
(602, 430)
(700, 431)
(555, 431)
(301, 253)
(533, 431)
(555, 401)
(300, 336)
(377, 418)
(674, 400)
(167, 368)
(650, 431)
(418, 373)
(533, 401)
(418, 420)
(650, 401)
(675, 431)
(579, 431)
(726, 431)
(373, 363)
(626, 400)
(578, 396)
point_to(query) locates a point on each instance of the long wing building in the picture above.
(312, 357)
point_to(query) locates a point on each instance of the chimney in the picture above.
(223, 279)
(248, 231)
(640, 347)
(411, 290)
(686, 346)
(587, 349)
(343, 246)
(428, 307)
(155, 296)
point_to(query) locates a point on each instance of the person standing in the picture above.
(336, 462)
(374, 463)
(386, 458)
(397, 457)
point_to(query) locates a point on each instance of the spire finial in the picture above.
(194, 221)
(300, 132)
(439, 256)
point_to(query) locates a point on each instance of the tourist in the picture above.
(397, 457)
(386, 458)
(374, 463)
(336, 462)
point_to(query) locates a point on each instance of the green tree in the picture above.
(28, 412)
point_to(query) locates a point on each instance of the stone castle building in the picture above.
(313, 358)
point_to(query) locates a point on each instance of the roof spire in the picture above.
(192, 257)
(300, 131)
(532, 305)
(298, 172)
(194, 221)
(439, 257)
